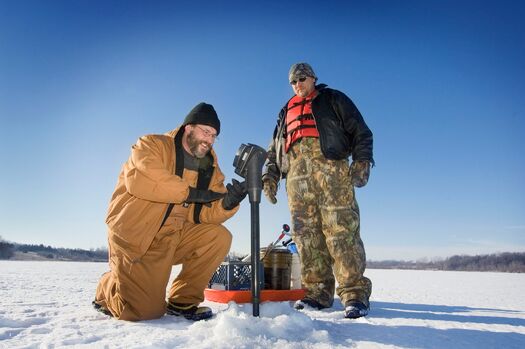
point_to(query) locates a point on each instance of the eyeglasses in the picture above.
(293, 82)
(207, 133)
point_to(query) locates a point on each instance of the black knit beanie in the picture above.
(203, 114)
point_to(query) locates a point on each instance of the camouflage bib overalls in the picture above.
(325, 219)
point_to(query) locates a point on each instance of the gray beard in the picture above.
(193, 144)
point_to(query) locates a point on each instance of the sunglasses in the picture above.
(293, 82)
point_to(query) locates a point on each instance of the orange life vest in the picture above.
(300, 121)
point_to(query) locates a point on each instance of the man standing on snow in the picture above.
(317, 130)
(167, 209)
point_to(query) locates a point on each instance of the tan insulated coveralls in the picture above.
(141, 255)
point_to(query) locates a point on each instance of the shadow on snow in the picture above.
(424, 336)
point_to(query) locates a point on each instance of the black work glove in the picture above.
(359, 173)
(203, 196)
(236, 193)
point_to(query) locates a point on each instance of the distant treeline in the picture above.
(22, 251)
(503, 262)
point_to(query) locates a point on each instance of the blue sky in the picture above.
(440, 84)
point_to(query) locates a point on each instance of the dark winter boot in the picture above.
(355, 309)
(101, 309)
(189, 311)
(301, 304)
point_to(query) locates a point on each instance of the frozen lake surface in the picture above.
(48, 305)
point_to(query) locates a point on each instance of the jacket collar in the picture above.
(320, 87)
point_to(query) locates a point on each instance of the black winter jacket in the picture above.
(342, 131)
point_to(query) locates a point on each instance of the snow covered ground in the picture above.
(48, 305)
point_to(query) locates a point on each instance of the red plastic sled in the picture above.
(223, 296)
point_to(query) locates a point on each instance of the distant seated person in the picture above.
(168, 208)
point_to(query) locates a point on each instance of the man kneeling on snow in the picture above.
(167, 209)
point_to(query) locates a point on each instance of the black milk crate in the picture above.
(232, 276)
